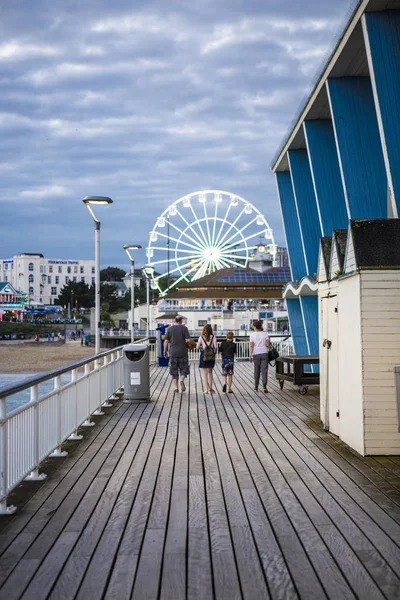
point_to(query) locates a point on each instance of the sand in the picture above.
(36, 357)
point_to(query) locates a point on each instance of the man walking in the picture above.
(175, 339)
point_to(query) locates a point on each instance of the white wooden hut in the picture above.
(360, 318)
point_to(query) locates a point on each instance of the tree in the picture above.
(78, 295)
(112, 274)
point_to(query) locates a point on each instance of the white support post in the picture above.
(98, 412)
(35, 475)
(4, 509)
(88, 422)
(58, 453)
(106, 404)
(75, 435)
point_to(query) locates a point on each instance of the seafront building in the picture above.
(42, 279)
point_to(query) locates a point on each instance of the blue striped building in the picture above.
(341, 160)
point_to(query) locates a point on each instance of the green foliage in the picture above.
(112, 274)
(78, 295)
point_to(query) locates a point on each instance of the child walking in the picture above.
(208, 349)
(228, 351)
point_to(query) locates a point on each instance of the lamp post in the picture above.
(128, 250)
(88, 200)
(148, 270)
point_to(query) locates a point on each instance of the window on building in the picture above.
(30, 267)
(48, 279)
(31, 290)
(60, 269)
(93, 279)
(68, 269)
(66, 279)
(5, 277)
(93, 271)
(42, 269)
(50, 269)
(75, 268)
(40, 299)
(201, 323)
(74, 279)
(82, 279)
(57, 279)
(30, 278)
(6, 267)
(80, 269)
(54, 291)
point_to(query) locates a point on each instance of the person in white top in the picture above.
(259, 343)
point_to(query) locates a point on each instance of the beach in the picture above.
(36, 357)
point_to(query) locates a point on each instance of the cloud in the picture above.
(16, 50)
(44, 192)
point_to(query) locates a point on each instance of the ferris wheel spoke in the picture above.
(207, 225)
(236, 264)
(198, 225)
(224, 222)
(232, 225)
(178, 241)
(240, 231)
(174, 283)
(214, 222)
(191, 228)
(186, 235)
(161, 275)
(202, 271)
(173, 250)
(243, 239)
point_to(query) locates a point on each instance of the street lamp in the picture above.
(128, 250)
(88, 200)
(148, 270)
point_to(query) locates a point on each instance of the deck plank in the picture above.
(225, 496)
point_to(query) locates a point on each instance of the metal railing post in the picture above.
(4, 509)
(98, 412)
(35, 475)
(75, 435)
(58, 453)
(88, 422)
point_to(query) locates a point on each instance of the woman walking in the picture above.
(208, 350)
(228, 351)
(259, 343)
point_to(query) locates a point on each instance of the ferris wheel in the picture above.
(202, 233)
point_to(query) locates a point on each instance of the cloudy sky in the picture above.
(145, 102)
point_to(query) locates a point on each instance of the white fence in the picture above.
(37, 429)
(284, 347)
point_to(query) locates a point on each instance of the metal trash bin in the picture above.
(136, 372)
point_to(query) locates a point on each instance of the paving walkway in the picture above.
(227, 496)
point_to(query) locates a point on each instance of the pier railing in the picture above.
(37, 429)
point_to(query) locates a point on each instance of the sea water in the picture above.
(20, 398)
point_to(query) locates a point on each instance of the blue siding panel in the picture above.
(291, 225)
(383, 34)
(359, 146)
(325, 170)
(297, 326)
(306, 207)
(309, 305)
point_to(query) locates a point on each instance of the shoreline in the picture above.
(37, 357)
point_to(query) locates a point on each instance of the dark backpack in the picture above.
(209, 352)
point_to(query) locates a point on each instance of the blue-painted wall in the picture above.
(309, 305)
(291, 225)
(297, 326)
(325, 171)
(382, 33)
(306, 207)
(359, 146)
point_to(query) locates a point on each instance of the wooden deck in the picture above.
(232, 496)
